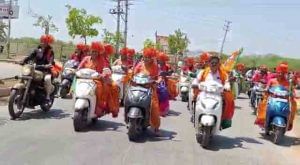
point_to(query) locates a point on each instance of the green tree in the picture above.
(46, 24)
(148, 43)
(3, 28)
(178, 42)
(81, 24)
(112, 38)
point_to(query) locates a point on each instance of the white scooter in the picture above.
(208, 111)
(184, 86)
(85, 98)
(118, 76)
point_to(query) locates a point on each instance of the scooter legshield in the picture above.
(207, 120)
(134, 113)
(81, 104)
(184, 89)
(279, 121)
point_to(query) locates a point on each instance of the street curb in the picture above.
(4, 92)
(8, 61)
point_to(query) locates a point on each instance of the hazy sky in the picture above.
(271, 26)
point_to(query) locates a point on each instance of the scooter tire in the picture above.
(133, 133)
(63, 92)
(278, 135)
(79, 121)
(205, 139)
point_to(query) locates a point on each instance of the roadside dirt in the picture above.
(6, 84)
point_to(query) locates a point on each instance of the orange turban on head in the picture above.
(282, 68)
(47, 39)
(97, 46)
(162, 57)
(150, 53)
(204, 57)
(127, 52)
(190, 61)
(240, 66)
(124, 51)
(109, 49)
(81, 46)
(130, 52)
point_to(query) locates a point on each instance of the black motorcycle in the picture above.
(137, 105)
(67, 77)
(30, 91)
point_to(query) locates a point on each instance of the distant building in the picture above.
(163, 41)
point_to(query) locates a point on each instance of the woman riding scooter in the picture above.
(280, 80)
(162, 60)
(107, 91)
(149, 66)
(80, 52)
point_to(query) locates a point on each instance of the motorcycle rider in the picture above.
(162, 60)
(283, 80)
(107, 91)
(215, 72)
(44, 55)
(80, 52)
(149, 66)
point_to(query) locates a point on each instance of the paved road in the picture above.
(40, 138)
(9, 70)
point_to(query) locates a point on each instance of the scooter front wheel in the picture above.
(278, 134)
(80, 120)
(133, 131)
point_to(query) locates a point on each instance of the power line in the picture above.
(226, 29)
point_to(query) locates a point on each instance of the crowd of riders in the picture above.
(156, 64)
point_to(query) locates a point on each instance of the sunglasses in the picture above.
(214, 63)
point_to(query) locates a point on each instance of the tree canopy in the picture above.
(46, 24)
(178, 42)
(80, 23)
(112, 38)
(148, 43)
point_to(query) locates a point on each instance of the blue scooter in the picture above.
(278, 113)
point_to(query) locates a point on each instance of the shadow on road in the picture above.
(150, 136)
(39, 114)
(222, 142)
(287, 141)
(242, 97)
(105, 125)
(237, 107)
(173, 113)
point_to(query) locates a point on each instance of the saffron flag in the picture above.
(232, 60)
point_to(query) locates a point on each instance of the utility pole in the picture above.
(10, 13)
(126, 22)
(226, 28)
(119, 11)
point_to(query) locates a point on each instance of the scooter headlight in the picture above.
(26, 71)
